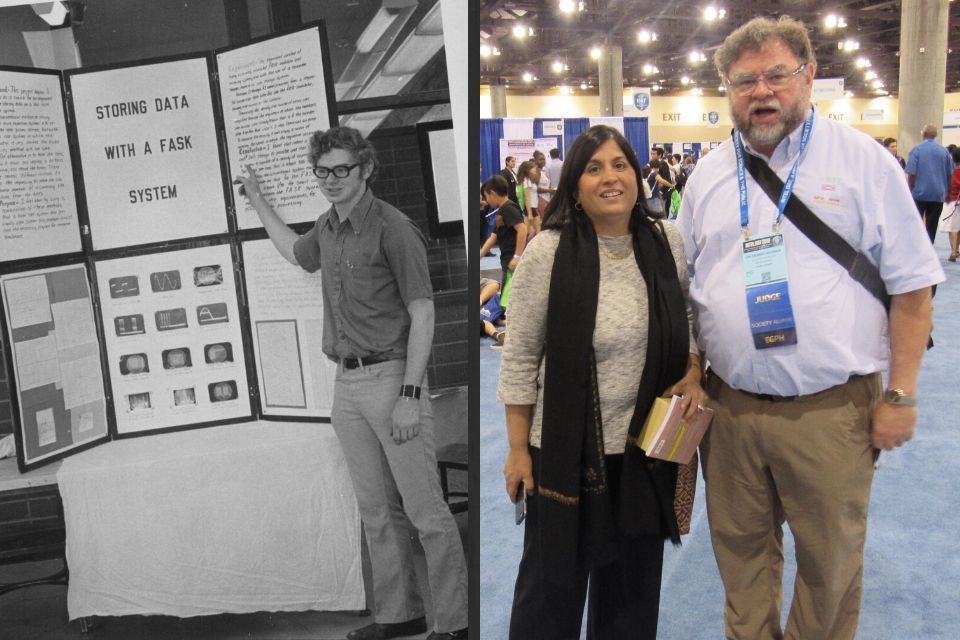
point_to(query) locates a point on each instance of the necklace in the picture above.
(622, 250)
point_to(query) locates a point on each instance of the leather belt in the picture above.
(366, 361)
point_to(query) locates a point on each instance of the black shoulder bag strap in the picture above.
(856, 263)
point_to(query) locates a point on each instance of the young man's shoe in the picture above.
(460, 634)
(382, 631)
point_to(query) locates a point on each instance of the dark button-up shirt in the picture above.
(373, 263)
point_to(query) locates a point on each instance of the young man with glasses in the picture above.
(796, 346)
(378, 327)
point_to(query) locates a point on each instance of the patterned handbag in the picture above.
(685, 493)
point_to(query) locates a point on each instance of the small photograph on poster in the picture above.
(223, 391)
(207, 276)
(193, 367)
(185, 397)
(165, 281)
(54, 351)
(134, 363)
(131, 325)
(139, 401)
(218, 353)
(212, 313)
(124, 287)
(170, 319)
(178, 358)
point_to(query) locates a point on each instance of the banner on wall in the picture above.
(637, 102)
(553, 127)
(827, 89)
(523, 149)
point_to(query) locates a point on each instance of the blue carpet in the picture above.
(912, 568)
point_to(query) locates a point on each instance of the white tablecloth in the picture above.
(231, 519)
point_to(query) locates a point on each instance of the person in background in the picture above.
(378, 328)
(598, 327)
(528, 175)
(929, 167)
(510, 176)
(890, 144)
(544, 189)
(796, 360)
(509, 231)
(554, 166)
(954, 202)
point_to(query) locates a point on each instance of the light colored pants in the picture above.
(808, 462)
(385, 472)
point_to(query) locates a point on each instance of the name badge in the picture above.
(768, 294)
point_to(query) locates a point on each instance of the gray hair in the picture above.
(756, 33)
(929, 131)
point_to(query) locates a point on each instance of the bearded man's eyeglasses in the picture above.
(340, 171)
(776, 79)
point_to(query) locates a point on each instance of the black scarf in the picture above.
(576, 514)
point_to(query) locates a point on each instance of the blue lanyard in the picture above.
(787, 186)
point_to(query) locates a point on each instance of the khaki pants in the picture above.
(807, 462)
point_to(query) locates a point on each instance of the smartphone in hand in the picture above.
(521, 504)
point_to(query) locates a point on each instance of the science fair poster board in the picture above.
(123, 171)
(173, 337)
(53, 360)
(276, 92)
(441, 179)
(293, 376)
(38, 204)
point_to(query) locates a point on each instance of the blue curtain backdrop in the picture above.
(491, 131)
(573, 127)
(636, 132)
(538, 132)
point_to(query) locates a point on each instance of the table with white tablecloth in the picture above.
(239, 518)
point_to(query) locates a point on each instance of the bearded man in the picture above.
(796, 345)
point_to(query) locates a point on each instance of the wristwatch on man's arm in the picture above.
(899, 397)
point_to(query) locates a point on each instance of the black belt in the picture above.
(766, 397)
(366, 361)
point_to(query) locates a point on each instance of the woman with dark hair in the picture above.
(528, 175)
(598, 329)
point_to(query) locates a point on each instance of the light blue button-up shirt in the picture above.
(857, 188)
(931, 166)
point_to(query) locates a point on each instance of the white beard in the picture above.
(769, 135)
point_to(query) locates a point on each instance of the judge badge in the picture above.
(768, 296)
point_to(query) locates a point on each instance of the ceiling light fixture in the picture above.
(595, 53)
(527, 76)
(696, 57)
(870, 75)
(567, 6)
(485, 51)
(519, 31)
(583, 86)
(848, 45)
(557, 66)
(711, 13)
(685, 80)
(863, 63)
(645, 36)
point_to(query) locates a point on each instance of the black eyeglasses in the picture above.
(340, 171)
(776, 79)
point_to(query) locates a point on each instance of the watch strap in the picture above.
(410, 391)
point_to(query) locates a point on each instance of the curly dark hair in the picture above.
(349, 139)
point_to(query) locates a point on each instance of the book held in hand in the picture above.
(667, 436)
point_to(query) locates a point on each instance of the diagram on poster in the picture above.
(38, 206)
(174, 338)
(274, 96)
(149, 151)
(55, 359)
(285, 302)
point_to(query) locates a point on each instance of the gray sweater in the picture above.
(619, 340)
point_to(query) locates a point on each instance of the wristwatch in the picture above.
(899, 397)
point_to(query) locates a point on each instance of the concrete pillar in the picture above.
(498, 101)
(611, 81)
(923, 68)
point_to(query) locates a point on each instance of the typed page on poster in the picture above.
(173, 337)
(150, 155)
(286, 312)
(274, 98)
(38, 206)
